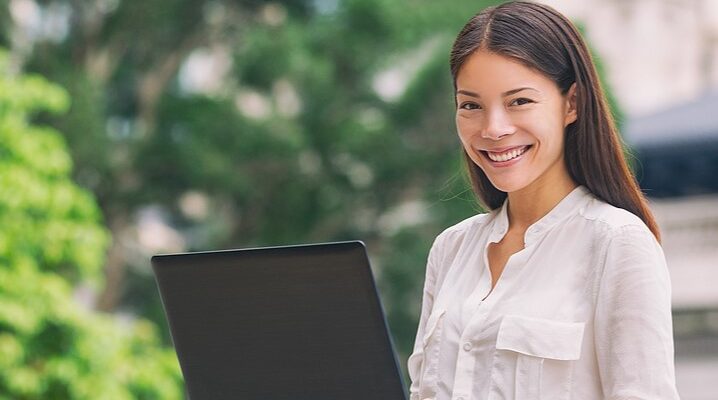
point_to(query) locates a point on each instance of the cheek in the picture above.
(476, 159)
(465, 137)
(465, 128)
(551, 138)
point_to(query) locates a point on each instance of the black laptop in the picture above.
(290, 323)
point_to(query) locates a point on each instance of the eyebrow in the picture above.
(507, 93)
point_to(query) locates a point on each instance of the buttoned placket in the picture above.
(478, 307)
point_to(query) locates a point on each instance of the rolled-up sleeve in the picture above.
(417, 356)
(633, 328)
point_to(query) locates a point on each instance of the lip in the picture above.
(504, 164)
(505, 148)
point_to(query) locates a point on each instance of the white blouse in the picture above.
(582, 312)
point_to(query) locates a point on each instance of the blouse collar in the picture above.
(568, 206)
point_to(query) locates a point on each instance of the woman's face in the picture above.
(511, 121)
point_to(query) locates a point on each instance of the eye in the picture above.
(469, 106)
(521, 101)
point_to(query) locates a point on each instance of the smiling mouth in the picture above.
(505, 155)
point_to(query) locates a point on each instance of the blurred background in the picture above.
(130, 128)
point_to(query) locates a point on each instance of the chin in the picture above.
(509, 185)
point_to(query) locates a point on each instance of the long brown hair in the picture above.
(542, 39)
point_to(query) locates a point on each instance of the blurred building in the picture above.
(661, 62)
(677, 153)
(657, 53)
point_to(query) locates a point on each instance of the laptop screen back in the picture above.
(295, 322)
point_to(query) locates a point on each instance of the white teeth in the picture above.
(511, 154)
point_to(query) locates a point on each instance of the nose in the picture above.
(498, 125)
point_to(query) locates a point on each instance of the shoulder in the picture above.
(468, 225)
(623, 238)
(457, 233)
(449, 242)
(611, 223)
(611, 217)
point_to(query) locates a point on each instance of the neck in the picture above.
(528, 205)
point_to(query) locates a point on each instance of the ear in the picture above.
(571, 113)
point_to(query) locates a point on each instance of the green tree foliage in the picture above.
(335, 120)
(51, 241)
(331, 157)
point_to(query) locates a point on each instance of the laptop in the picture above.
(289, 323)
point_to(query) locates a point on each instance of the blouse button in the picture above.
(467, 347)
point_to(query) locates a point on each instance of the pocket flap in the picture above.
(431, 323)
(540, 337)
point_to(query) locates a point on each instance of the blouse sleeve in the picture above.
(633, 327)
(417, 357)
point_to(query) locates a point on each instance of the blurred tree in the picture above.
(51, 241)
(5, 22)
(226, 123)
(332, 121)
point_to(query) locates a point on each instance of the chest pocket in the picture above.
(432, 345)
(534, 358)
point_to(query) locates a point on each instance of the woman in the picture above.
(561, 291)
